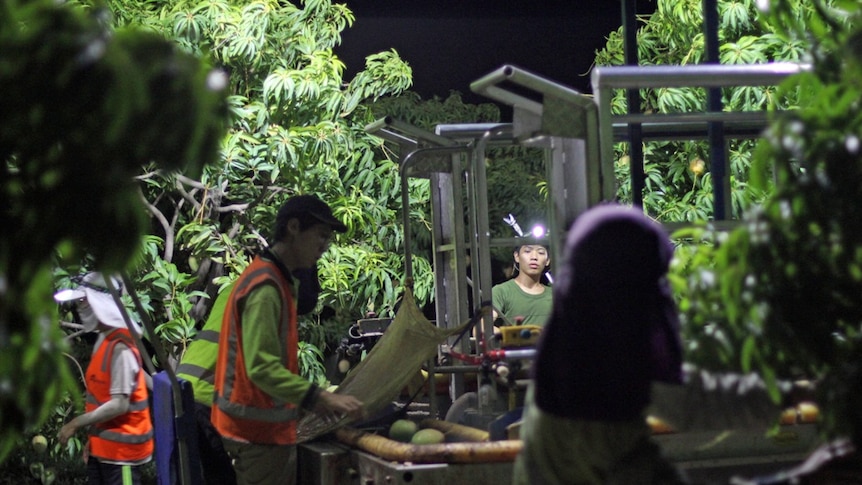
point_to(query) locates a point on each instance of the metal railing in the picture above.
(678, 126)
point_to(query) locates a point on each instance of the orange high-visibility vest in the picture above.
(241, 410)
(127, 437)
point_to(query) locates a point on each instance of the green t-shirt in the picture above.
(509, 299)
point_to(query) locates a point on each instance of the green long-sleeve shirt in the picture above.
(264, 348)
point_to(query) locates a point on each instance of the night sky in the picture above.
(450, 44)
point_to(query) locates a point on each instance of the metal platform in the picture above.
(332, 463)
(709, 457)
(706, 457)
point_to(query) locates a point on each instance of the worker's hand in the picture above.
(67, 431)
(333, 407)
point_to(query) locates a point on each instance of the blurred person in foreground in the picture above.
(611, 355)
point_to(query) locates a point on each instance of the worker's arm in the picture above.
(263, 349)
(498, 306)
(498, 302)
(124, 370)
(116, 406)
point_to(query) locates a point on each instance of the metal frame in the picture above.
(708, 456)
(429, 155)
(718, 126)
(452, 159)
(566, 123)
(577, 132)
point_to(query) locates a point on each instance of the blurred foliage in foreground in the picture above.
(84, 107)
(780, 294)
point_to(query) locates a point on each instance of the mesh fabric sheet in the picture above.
(378, 379)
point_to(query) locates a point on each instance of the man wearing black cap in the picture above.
(259, 393)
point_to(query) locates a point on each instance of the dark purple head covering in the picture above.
(614, 326)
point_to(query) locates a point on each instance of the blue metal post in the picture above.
(715, 129)
(633, 100)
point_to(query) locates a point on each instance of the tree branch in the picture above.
(190, 182)
(148, 175)
(169, 230)
(233, 208)
(187, 196)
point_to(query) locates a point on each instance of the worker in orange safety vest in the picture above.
(117, 410)
(259, 392)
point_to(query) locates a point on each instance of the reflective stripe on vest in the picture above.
(208, 336)
(133, 406)
(242, 410)
(196, 371)
(268, 415)
(199, 370)
(122, 437)
(266, 272)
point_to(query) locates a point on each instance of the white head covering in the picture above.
(93, 289)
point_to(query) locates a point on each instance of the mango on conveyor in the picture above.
(428, 436)
(402, 430)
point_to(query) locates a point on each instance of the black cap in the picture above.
(311, 205)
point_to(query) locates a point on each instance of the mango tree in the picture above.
(779, 293)
(296, 126)
(678, 176)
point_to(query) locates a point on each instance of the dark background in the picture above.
(449, 44)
